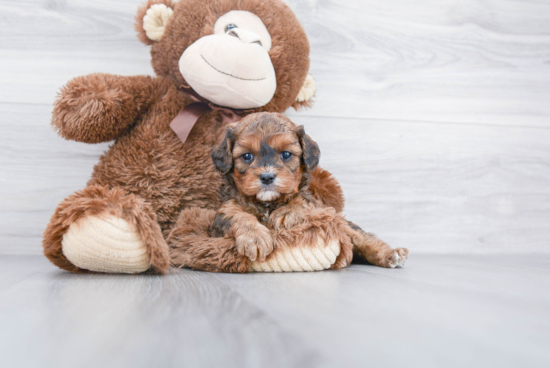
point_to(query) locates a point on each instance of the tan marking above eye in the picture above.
(239, 151)
(285, 142)
(249, 143)
(296, 150)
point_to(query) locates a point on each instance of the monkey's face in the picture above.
(266, 154)
(241, 54)
(232, 67)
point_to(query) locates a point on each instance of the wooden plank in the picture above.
(474, 62)
(437, 187)
(451, 311)
(430, 60)
(430, 187)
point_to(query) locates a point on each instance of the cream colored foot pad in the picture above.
(105, 244)
(299, 258)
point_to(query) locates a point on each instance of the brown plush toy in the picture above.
(215, 61)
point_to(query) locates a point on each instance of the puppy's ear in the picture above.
(311, 153)
(222, 155)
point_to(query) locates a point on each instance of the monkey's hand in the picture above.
(101, 107)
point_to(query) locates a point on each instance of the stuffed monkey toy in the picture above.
(216, 61)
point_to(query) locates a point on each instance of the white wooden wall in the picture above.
(433, 114)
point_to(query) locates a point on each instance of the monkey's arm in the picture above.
(100, 107)
(325, 188)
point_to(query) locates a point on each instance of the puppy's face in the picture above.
(267, 165)
(268, 155)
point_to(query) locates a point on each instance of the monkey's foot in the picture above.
(105, 229)
(105, 243)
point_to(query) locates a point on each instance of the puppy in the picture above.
(266, 162)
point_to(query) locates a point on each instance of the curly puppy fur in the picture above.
(267, 162)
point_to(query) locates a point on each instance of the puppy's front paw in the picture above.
(396, 258)
(287, 220)
(255, 242)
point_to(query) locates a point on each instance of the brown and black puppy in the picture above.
(266, 161)
(268, 167)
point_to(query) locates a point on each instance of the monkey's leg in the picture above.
(105, 230)
(192, 246)
(376, 251)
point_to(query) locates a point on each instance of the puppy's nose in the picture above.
(267, 178)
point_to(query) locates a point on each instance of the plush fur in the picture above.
(147, 162)
(249, 227)
(194, 19)
(192, 247)
(142, 36)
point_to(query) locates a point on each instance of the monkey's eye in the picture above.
(229, 27)
(285, 155)
(247, 157)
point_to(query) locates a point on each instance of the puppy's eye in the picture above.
(247, 157)
(285, 155)
(229, 27)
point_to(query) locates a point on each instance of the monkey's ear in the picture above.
(222, 157)
(305, 96)
(310, 150)
(151, 19)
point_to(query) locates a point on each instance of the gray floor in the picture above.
(439, 311)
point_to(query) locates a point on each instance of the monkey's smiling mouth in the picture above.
(231, 75)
